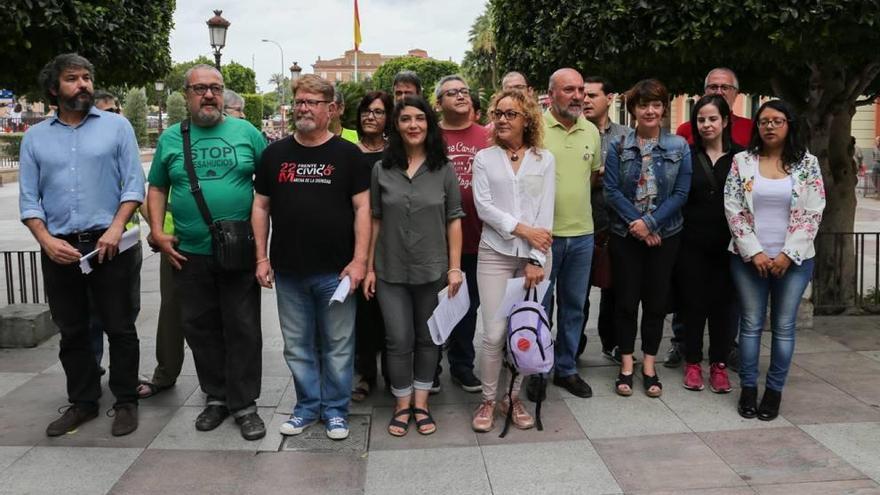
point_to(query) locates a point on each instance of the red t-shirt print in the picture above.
(306, 173)
(461, 147)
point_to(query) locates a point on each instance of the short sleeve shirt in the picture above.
(414, 212)
(310, 190)
(225, 157)
(578, 153)
(461, 147)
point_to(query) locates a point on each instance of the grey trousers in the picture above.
(412, 355)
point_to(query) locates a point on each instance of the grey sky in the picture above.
(309, 28)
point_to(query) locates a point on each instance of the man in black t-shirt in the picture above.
(314, 187)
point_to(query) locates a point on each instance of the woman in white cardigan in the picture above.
(514, 187)
(773, 200)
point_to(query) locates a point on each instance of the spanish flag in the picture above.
(357, 26)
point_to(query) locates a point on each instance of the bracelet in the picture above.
(455, 270)
(262, 260)
(535, 262)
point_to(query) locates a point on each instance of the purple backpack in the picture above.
(529, 347)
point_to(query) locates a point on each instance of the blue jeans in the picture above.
(570, 276)
(785, 296)
(318, 343)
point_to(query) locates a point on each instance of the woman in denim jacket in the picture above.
(773, 199)
(647, 177)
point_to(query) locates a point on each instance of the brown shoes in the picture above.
(125, 419)
(521, 418)
(74, 416)
(484, 417)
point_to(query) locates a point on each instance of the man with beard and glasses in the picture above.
(80, 182)
(314, 187)
(219, 308)
(577, 146)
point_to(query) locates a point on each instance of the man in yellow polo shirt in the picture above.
(577, 147)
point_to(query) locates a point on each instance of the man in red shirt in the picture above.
(722, 81)
(464, 139)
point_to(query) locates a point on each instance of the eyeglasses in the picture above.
(457, 91)
(375, 112)
(232, 109)
(772, 123)
(201, 89)
(721, 87)
(517, 87)
(508, 114)
(308, 103)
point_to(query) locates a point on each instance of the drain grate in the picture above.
(315, 440)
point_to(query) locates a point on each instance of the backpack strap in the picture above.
(194, 187)
(538, 424)
(509, 419)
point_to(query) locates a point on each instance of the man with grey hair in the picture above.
(406, 83)
(233, 104)
(220, 308)
(464, 138)
(336, 116)
(514, 80)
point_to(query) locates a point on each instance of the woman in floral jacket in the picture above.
(773, 200)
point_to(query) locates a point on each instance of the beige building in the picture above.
(342, 69)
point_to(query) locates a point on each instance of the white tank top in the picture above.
(772, 201)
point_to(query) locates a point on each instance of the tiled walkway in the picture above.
(826, 441)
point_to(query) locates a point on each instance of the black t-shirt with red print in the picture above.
(311, 189)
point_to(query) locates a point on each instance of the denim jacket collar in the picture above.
(664, 141)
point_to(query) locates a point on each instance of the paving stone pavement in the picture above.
(826, 440)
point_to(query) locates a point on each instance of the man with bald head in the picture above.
(577, 147)
(722, 81)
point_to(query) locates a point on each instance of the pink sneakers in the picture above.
(718, 381)
(693, 376)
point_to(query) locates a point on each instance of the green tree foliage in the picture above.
(174, 79)
(479, 64)
(176, 108)
(270, 104)
(135, 110)
(282, 84)
(429, 71)
(821, 56)
(253, 110)
(238, 78)
(353, 92)
(126, 40)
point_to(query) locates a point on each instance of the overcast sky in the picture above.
(307, 29)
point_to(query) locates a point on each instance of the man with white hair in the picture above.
(722, 81)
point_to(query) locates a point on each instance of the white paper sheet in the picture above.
(515, 293)
(449, 311)
(341, 291)
(129, 238)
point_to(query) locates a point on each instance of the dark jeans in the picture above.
(607, 335)
(70, 292)
(95, 326)
(460, 345)
(641, 274)
(169, 334)
(220, 317)
(369, 339)
(706, 292)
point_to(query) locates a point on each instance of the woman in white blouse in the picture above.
(514, 186)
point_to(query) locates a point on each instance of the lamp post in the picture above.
(217, 27)
(160, 89)
(280, 83)
(295, 71)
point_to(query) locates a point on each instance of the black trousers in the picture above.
(641, 274)
(706, 293)
(220, 317)
(607, 334)
(70, 292)
(369, 338)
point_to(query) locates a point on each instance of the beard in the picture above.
(76, 103)
(207, 116)
(305, 124)
(568, 112)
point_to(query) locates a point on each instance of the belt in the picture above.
(86, 237)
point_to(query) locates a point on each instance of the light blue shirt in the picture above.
(74, 178)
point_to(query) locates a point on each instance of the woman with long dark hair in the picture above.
(773, 199)
(706, 289)
(415, 249)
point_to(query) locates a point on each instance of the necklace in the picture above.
(377, 148)
(514, 154)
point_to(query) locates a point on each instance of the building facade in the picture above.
(341, 69)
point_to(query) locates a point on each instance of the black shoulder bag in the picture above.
(232, 241)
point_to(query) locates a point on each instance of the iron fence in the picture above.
(19, 124)
(24, 277)
(855, 253)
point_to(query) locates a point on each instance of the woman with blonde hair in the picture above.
(514, 188)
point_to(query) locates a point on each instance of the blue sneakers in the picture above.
(337, 428)
(295, 425)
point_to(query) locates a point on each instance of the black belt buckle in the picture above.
(83, 237)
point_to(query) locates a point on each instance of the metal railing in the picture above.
(854, 281)
(23, 277)
(18, 124)
(8, 162)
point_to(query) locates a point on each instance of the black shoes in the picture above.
(467, 381)
(74, 416)
(769, 408)
(125, 419)
(536, 389)
(748, 402)
(211, 417)
(575, 385)
(252, 426)
(674, 357)
(435, 386)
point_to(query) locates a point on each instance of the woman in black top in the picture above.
(373, 126)
(705, 283)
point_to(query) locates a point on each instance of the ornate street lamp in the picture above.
(160, 90)
(217, 27)
(295, 71)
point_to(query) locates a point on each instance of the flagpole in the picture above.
(357, 38)
(355, 63)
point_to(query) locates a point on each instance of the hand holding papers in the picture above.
(129, 238)
(449, 311)
(515, 293)
(341, 291)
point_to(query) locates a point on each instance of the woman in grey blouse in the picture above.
(415, 248)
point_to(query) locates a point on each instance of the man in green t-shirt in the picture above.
(220, 309)
(577, 146)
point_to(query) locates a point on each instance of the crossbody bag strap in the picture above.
(194, 187)
(710, 173)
